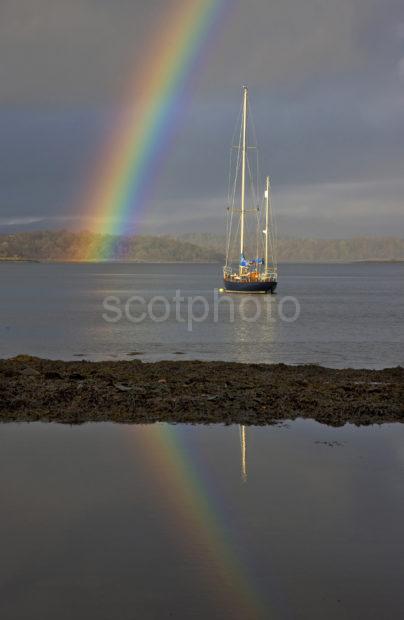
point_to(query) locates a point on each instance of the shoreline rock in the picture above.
(33, 389)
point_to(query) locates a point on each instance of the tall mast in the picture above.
(267, 190)
(243, 171)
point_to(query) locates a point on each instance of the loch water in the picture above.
(291, 521)
(345, 314)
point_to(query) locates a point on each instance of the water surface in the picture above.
(350, 314)
(104, 521)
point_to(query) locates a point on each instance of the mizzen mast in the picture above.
(243, 173)
(266, 231)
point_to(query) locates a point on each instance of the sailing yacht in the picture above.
(250, 249)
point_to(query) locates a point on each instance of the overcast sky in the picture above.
(327, 89)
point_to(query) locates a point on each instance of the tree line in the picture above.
(195, 247)
(72, 246)
(318, 250)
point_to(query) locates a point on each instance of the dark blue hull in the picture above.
(249, 287)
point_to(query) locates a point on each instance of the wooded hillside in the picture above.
(65, 245)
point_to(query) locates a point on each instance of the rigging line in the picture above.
(274, 225)
(237, 124)
(254, 133)
(234, 193)
(273, 233)
(230, 204)
(229, 238)
(250, 248)
(258, 176)
(251, 116)
(252, 189)
(229, 179)
(231, 208)
(240, 138)
(227, 216)
(256, 194)
(235, 238)
(260, 237)
(259, 240)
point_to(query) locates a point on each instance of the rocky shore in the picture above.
(196, 392)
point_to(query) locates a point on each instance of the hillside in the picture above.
(318, 250)
(68, 246)
(203, 247)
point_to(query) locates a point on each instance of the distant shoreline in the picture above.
(66, 246)
(196, 392)
(191, 262)
(18, 260)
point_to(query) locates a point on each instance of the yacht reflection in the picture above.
(253, 339)
(243, 446)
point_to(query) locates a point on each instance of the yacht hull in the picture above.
(232, 286)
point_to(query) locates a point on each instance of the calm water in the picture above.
(350, 315)
(103, 521)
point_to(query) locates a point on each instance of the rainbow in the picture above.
(185, 491)
(117, 191)
(125, 172)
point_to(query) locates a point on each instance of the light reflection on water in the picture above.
(351, 315)
(107, 521)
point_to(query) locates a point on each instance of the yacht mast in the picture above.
(243, 171)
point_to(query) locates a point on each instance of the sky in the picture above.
(326, 80)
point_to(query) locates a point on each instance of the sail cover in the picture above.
(257, 261)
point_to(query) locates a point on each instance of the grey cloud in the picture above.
(58, 51)
(55, 51)
(332, 209)
(327, 87)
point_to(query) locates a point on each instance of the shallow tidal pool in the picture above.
(113, 521)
